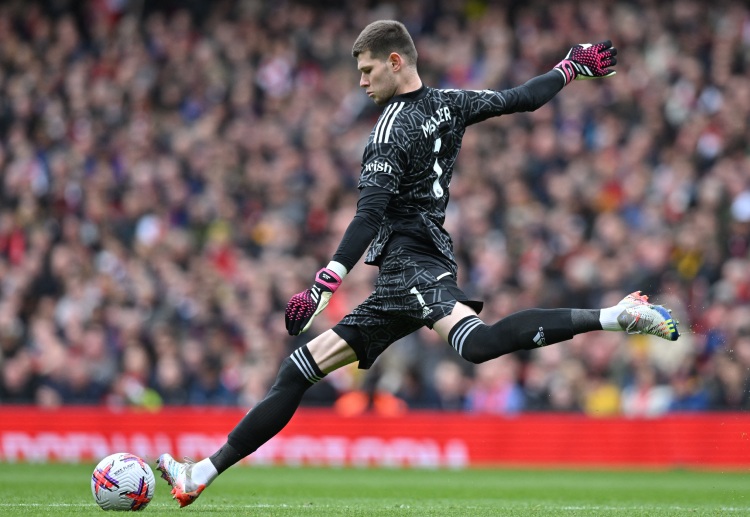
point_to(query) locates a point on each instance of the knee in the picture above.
(479, 343)
(475, 344)
(474, 354)
(299, 368)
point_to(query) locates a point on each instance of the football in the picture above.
(123, 482)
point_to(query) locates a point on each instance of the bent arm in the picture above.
(364, 226)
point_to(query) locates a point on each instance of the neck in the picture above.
(412, 83)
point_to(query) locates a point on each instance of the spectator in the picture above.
(688, 393)
(496, 387)
(416, 392)
(170, 383)
(451, 385)
(646, 396)
(208, 388)
(18, 381)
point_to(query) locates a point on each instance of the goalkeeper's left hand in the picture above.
(304, 306)
(587, 61)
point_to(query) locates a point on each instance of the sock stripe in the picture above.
(465, 334)
(458, 333)
(302, 362)
(462, 332)
(304, 365)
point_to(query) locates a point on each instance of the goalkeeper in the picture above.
(404, 184)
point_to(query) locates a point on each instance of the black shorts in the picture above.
(407, 297)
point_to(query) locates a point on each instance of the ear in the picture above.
(395, 61)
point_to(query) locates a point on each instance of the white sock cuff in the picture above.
(608, 318)
(204, 472)
(338, 268)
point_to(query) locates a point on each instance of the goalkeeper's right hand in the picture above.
(303, 307)
(587, 61)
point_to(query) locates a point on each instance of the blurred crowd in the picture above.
(172, 172)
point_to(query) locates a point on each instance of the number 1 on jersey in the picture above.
(437, 190)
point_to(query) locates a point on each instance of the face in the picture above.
(378, 78)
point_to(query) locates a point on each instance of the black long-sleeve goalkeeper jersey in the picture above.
(410, 154)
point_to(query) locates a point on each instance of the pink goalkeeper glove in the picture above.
(304, 306)
(587, 61)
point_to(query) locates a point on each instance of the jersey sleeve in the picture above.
(479, 105)
(371, 206)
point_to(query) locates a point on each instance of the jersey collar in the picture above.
(410, 96)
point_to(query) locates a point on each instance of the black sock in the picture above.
(297, 373)
(585, 320)
(225, 457)
(524, 330)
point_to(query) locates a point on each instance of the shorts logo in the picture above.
(539, 338)
(426, 311)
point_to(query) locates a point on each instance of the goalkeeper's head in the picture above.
(387, 58)
(383, 37)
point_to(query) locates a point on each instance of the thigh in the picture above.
(395, 309)
(444, 326)
(407, 296)
(331, 352)
(370, 335)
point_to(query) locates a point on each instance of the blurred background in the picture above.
(172, 172)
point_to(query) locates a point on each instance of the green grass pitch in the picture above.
(62, 489)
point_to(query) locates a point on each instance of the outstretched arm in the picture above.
(533, 94)
(584, 61)
(304, 306)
